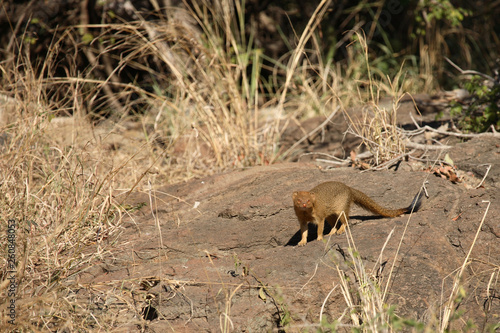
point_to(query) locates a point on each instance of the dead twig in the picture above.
(485, 175)
(469, 72)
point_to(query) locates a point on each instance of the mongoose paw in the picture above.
(332, 232)
(320, 238)
(302, 243)
(340, 231)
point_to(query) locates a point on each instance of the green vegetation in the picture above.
(483, 112)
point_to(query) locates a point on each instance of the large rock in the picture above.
(220, 252)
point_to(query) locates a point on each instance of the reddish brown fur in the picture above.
(332, 201)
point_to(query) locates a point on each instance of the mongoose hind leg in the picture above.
(343, 219)
(341, 229)
(333, 220)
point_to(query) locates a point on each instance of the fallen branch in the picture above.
(421, 130)
(426, 147)
(342, 162)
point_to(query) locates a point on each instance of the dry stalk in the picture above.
(450, 305)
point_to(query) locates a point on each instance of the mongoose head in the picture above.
(303, 200)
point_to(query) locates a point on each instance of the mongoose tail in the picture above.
(362, 200)
(416, 203)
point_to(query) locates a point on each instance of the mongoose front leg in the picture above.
(303, 231)
(321, 227)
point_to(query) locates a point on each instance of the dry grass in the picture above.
(378, 127)
(457, 292)
(362, 291)
(60, 191)
(63, 180)
(366, 298)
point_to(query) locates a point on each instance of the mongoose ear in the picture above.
(313, 197)
(294, 195)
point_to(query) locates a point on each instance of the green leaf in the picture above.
(87, 38)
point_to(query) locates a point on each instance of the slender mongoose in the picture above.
(332, 201)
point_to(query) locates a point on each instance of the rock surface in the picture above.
(220, 253)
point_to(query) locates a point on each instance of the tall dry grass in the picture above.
(365, 291)
(63, 179)
(378, 125)
(60, 193)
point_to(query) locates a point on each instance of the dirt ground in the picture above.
(220, 252)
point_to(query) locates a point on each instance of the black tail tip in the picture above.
(416, 203)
